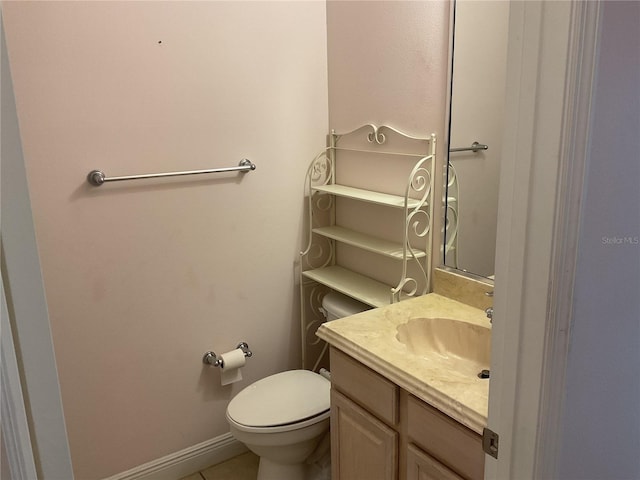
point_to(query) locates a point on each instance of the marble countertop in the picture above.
(370, 337)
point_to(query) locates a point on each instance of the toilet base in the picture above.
(270, 470)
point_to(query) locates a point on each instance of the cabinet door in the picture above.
(362, 447)
(445, 439)
(421, 466)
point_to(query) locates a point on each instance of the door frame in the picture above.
(27, 311)
(551, 63)
(15, 428)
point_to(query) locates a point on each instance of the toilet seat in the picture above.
(281, 402)
(289, 427)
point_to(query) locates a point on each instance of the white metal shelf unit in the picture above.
(320, 271)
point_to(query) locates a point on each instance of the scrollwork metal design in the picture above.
(401, 288)
(419, 222)
(376, 136)
(315, 302)
(320, 172)
(313, 349)
(451, 200)
(321, 201)
(420, 181)
(319, 254)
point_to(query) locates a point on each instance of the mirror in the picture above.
(478, 78)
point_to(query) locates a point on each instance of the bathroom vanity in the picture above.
(401, 408)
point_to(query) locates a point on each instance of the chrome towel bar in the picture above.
(98, 177)
(475, 146)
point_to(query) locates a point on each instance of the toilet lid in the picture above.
(281, 399)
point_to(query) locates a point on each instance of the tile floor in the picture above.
(242, 467)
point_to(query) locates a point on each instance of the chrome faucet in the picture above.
(489, 311)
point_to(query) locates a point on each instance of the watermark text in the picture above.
(623, 240)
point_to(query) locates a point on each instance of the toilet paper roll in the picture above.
(231, 363)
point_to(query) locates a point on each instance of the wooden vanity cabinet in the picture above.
(361, 445)
(379, 431)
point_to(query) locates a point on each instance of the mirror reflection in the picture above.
(479, 54)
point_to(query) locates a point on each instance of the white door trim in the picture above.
(582, 62)
(552, 53)
(515, 185)
(15, 429)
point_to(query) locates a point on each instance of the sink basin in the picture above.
(459, 341)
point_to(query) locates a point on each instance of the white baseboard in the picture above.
(185, 462)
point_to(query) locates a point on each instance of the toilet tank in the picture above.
(337, 305)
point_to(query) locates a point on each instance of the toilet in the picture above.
(283, 417)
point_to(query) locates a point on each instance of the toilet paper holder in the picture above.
(210, 358)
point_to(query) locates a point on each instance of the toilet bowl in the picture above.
(283, 417)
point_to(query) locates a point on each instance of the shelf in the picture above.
(353, 284)
(409, 224)
(378, 198)
(366, 242)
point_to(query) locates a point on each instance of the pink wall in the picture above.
(388, 63)
(143, 278)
